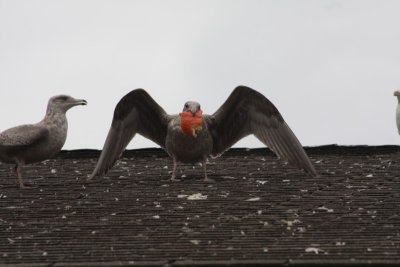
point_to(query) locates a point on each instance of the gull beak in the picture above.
(194, 112)
(82, 102)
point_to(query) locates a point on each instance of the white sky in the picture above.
(329, 66)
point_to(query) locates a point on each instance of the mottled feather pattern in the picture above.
(23, 135)
(31, 143)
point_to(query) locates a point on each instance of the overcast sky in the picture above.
(329, 66)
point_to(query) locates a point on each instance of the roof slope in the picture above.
(259, 212)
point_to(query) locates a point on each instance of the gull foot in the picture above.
(27, 185)
(88, 181)
(208, 180)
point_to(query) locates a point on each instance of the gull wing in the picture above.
(136, 112)
(246, 112)
(22, 136)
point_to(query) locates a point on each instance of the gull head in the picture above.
(64, 102)
(192, 107)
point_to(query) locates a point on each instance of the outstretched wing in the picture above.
(136, 112)
(246, 112)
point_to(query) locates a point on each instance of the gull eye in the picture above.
(186, 105)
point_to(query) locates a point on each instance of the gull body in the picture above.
(31, 143)
(187, 148)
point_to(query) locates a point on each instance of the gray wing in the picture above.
(246, 112)
(23, 135)
(135, 113)
(16, 140)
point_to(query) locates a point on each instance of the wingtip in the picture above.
(91, 176)
(95, 173)
(313, 173)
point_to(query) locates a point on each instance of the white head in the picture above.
(63, 103)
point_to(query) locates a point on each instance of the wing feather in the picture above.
(18, 139)
(23, 135)
(136, 112)
(246, 112)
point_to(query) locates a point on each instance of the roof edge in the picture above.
(230, 263)
(315, 150)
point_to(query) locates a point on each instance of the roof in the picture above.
(259, 211)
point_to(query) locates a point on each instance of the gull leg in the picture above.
(173, 177)
(17, 170)
(206, 179)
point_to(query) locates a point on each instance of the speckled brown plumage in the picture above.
(30, 143)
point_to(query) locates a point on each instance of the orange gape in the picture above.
(190, 124)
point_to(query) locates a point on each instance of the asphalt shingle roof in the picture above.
(259, 211)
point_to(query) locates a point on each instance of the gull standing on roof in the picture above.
(36, 142)
(191, 137)
(397, 94)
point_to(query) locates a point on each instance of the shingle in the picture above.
(259, 211)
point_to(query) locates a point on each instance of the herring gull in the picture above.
(191, 137)
(31, 143)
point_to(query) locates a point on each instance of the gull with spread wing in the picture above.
(191, 137)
